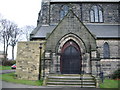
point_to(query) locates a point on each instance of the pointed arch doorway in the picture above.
(71, 60)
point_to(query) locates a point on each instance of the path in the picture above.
(14, 85)
(6, 71)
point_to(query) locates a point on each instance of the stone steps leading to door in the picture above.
(70, 80)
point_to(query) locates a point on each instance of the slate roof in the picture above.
(101, 31)
(104, 31)
(42, 31)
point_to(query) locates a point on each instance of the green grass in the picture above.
(5, 67)
(110, 84)
(10, 77)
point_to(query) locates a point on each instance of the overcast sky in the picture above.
(22, 12)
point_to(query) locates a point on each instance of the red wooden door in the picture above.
(70, 59)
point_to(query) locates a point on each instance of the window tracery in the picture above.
(96, 14)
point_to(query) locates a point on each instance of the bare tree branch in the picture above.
(9, 35)
(26, 31)
(5, 35)
(15, 35)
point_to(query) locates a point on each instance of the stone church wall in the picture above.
(110, 12)
(28, 54)
(109, 65)
(113, 46)
(50, 13)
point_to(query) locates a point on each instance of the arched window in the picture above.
(106, 52)
(96, 14)
(63, 11)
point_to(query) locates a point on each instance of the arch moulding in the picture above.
(73, 37)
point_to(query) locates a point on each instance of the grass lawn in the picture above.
(10, 77)
(110, 84)
(5, 67)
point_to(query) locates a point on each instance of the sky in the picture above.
(21, 12)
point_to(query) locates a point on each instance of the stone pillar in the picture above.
(47, 62)
(58, 64)
(88, 65)
(53, 64)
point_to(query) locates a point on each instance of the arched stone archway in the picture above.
(61, 48)
(64, 46)
(73, 37)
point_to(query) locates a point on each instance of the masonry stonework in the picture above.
(109, 65)
(113, 45)
(27, 62)
(54, 32)
(51, 14)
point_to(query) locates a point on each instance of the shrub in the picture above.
(9, 62)
(116, 74)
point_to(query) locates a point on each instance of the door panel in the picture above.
(70, 61)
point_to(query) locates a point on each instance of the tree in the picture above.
(9, 33)
(26, 31)
(0, 26)
(5, 31)
(14, 37)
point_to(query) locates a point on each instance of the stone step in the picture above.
(59, 80)
(70, 80)
(84, 86)
(69, 77)
(70, 83)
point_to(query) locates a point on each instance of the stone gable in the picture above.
(70, 24)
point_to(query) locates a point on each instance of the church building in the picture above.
(72, 37)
